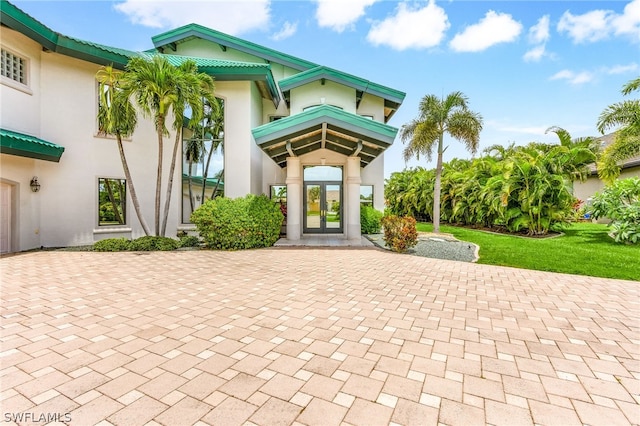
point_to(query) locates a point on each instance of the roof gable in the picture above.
(186, 32)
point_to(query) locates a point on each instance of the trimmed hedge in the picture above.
(112, 244)
(152, 243)
(148, 243)
(240, 223)
(370, 220)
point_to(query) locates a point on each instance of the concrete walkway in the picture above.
(311, 336)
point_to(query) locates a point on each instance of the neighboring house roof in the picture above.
(15, 143)
(327, 127)
(607, 140)
(393, 98)
(191, 31)
(198, 181)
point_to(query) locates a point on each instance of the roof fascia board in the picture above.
(18, 20)
(22, 145)
(340, 77)
(333, 117)
(228, 41)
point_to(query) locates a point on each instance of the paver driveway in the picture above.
(312, 336)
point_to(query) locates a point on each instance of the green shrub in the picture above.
(620, 202)
(189, 241)
(240, 223)
(400, 233)
(112, 244)
(152, 243)
(370, 220)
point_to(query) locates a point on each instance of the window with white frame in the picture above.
(14, 67)
(112, 202)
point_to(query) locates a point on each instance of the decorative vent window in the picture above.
(14, 67)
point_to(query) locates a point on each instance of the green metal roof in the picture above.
(15, 143)
(224, 70)
(326, 73)
(15, 18)
(18, 20)
(327, 127)
(226, 41)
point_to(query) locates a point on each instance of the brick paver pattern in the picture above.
(312, 336)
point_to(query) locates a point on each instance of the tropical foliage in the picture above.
(240, 223)
(625, 116)
(400, 233)
(117, 118)
(370, 220)
(620, 202)
(437, 117)
(522, 189)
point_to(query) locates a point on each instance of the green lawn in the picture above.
(584, 249)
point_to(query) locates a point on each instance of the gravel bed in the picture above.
(436, 247)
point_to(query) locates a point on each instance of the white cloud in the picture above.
(572, 77)
(600, 24)
(591, 26)
(494, 28)
(629, 22)
(232, 17)
(539, 33)
(340, 14)
(288, 29)
(621, 69)
(535, 54)
(411, 27)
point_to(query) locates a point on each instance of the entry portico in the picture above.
(323, 150)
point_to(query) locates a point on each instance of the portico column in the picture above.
(294, 201)
(353, 198)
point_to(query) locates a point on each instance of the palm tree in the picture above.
(117, 117)
(152, 84)
(626, 115)
(573, 155)
(191, 89)
(438, 116)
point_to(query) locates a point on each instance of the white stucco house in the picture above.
(312, 134)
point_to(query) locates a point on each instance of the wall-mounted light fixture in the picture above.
(34, 184)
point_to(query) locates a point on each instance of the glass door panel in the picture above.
(313, 208)
(333, 209)
(322, 207)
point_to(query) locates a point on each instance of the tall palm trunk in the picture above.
(159, 128)
(132, 190)
(172, 169)
(436, 189)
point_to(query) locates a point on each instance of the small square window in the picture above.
(112, 202)
(14, 67)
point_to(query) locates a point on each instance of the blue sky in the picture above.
(524, 65)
